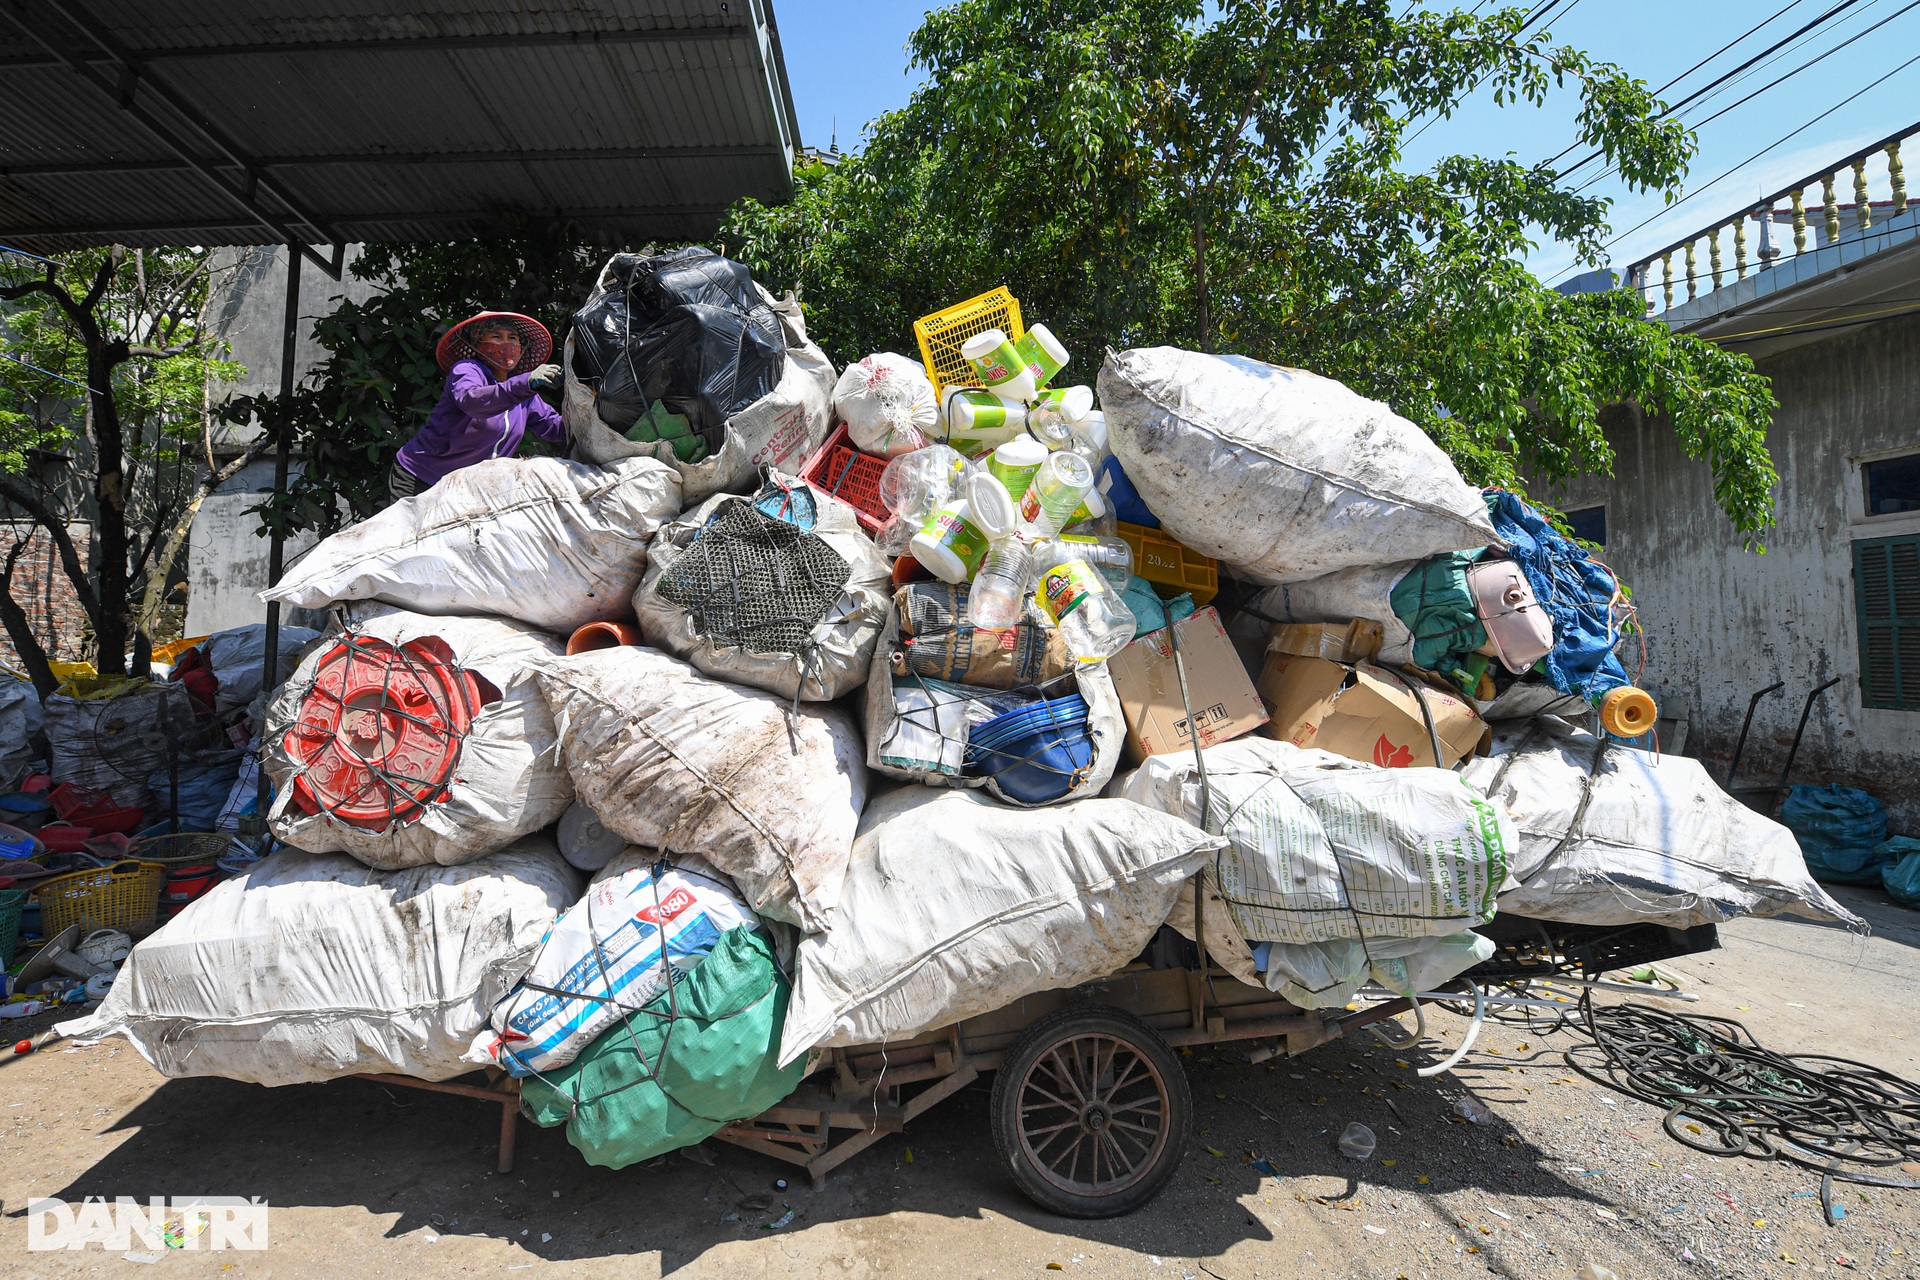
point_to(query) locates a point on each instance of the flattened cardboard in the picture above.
(1225, 704)
(1355, 641)
(1366, 713)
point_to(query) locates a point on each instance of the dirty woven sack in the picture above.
(677, 1071)
(1614, 836)
(1840, 830)
(311, 966)
(762, 602)
(21, 717)
(114, 744)
(956, 906)
(1321, 847)
(448, 794)
(1281, 474)
(888, 732)
(608, 955)
(238, 657)
(780, 428)
(672, 760)
(551, 543)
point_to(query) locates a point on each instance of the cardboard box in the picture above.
(1355, 641)
(1366, 713)
(1224, 702)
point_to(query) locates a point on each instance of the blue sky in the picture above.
(847, 63)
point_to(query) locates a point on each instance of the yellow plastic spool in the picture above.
(1628, 712)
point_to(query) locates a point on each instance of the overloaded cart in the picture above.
(930, 718)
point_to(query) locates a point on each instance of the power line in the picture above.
(1717, 82)
(1786, 137)
(1791, 4)
(1542, 13)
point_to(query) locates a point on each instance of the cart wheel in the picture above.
(1091, 1112)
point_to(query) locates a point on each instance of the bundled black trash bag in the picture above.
(682, 345)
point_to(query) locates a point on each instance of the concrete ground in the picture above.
(369, 1181)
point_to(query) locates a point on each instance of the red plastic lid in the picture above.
(380, 730)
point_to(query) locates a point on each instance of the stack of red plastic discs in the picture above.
(379, 732)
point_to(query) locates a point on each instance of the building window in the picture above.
(1589, 524)
(1886, 589)
(1892, 485)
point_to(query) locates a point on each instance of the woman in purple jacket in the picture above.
(496, 367)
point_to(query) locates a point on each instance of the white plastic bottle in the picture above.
(1076, 599)
(1016, 462)
(914, 486)
(999, 593)
(1002, 369)
(1056, 413)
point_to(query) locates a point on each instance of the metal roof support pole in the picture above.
(283, 443)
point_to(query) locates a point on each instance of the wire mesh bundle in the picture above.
(757, 582)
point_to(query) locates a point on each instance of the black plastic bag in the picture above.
(680, 335)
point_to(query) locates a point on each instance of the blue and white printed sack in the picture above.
(603, 959)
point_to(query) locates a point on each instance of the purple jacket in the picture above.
(478, 418)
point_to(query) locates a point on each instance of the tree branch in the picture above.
(57, 529)
(20, 629)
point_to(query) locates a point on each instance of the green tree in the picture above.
(378, 380)
(1228, 176)
(105, 422)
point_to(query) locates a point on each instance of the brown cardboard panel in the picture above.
(1365, 712)
(1356, 641)
(1225, 704)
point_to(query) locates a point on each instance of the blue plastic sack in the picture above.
(1576, 592)
(1900, 870)
(1123, 497)
(205, 783)
(1841, 832)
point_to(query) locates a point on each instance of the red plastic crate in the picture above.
(841, 471)
(68, 799)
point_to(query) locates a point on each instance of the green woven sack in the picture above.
(657, 1082)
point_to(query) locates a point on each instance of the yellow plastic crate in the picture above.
(173, 649)
(1170, 567)
(942, 334)
(124, 895)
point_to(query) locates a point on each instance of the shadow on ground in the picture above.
(428, 1159)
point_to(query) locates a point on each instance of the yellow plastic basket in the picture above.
(942, 334)
(123, 896)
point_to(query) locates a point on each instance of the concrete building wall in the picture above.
(1723, 622)
(227, 559)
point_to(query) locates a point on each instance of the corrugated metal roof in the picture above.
(240, 121)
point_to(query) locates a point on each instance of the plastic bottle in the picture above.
(1110, 555)
(1002, 369)
(584, 843)
(1044, 354)
(1358, 1142)
(999, 593)
(1056, 413)
(1075, 598)
(1015, 463)
(955, 538)
(21, 1009)
(913, 486)
(980, 417)
(1059, 487)
(1473, 1111)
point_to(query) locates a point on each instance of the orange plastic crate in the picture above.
(1170, 567)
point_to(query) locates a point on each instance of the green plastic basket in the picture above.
(11, 900)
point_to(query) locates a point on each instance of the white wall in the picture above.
(1723, 622)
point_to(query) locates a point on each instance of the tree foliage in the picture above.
(378, 380)
(1228, 176)
(104, 421)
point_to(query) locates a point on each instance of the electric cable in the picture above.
(1726, 1095)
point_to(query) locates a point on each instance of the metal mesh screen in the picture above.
(757, 582)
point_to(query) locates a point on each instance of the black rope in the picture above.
(1726, 1095)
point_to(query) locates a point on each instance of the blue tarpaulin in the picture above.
(1578, 595)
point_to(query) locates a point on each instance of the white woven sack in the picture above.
(551, 543)
(842, 641)
(507, 780)
(1281, 474)
(672, 760)
(311, 967)
(888, 404)
(1344, 594)
(1614, 836)
(238, 657)
(1106, 725)
(781, 429)
(1322, 848)
(21, 718)
(955, 906)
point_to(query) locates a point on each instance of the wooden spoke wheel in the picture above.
(1091, 1112)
